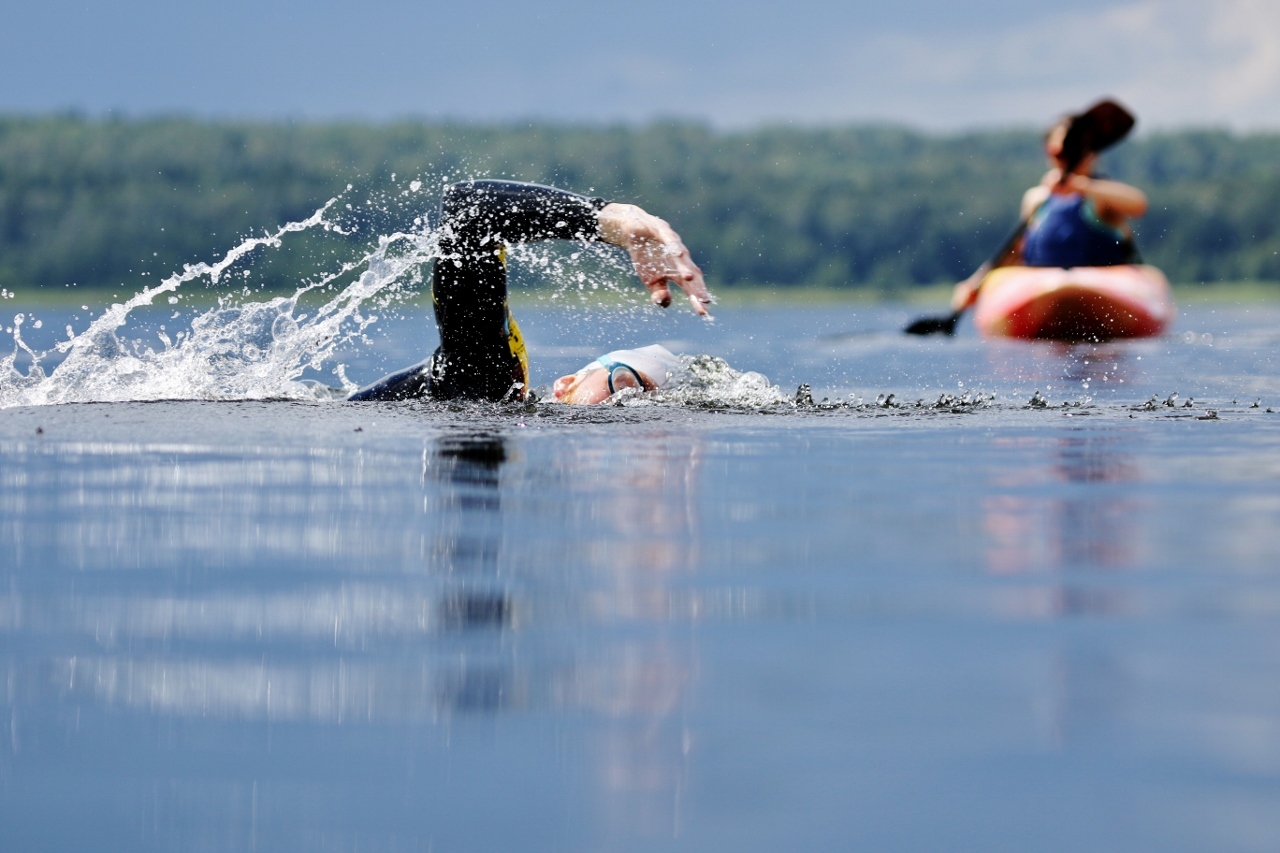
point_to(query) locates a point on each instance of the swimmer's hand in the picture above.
(657, 252)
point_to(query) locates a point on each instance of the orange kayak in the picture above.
(1079, 304)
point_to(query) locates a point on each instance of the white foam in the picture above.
(708, 381)
(236, 351)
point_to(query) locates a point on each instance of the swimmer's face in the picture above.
(591, 386)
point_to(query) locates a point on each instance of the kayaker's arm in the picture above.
(1114, 201)
(966, 292)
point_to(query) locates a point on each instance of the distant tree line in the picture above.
(99, 202)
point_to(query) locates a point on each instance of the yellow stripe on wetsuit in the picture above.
(515, 340)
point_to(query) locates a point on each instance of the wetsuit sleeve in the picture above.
(478, 212)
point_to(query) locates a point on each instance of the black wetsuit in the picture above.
(481, 354)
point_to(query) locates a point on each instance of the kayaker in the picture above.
(1077, 221)
(481, 354)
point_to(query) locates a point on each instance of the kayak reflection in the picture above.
(1062, 515)
(1086, 369)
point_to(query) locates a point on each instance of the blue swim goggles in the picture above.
(615, 368)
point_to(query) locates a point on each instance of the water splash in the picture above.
(250, 350)
(709, 382)
(255, 349)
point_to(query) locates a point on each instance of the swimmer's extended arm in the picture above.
(481, 214)
(657, 252)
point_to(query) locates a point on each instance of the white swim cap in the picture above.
(658, 364)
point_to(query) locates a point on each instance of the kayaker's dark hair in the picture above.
(1092, 131)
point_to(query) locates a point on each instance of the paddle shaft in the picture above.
(947, 325)
(997, 260)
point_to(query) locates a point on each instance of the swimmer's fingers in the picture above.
(659, 293)
(660, 265)
(688, 277)
(657, 252)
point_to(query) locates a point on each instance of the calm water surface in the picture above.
(970, 624)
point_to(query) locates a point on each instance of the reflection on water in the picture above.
(406, 594)
(636, 535)
(1092, 694)
(1092, 366)
(660, 629)
(1063, 516)
(1065, 371)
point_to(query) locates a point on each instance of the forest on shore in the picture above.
(99, 202)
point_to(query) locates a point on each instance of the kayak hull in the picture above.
(1074, 305)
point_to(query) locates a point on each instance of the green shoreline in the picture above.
(733, 297)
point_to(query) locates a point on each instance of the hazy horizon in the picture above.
(586, 123)
(923, 64)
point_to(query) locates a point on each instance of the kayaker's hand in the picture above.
(966, 292)
(1115, 201)
(657, 252)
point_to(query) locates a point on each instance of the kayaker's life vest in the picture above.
(1066, 232)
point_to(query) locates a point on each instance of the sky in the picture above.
(931, 64)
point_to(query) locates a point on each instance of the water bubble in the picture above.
(284, 327)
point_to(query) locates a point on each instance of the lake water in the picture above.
(953, 622)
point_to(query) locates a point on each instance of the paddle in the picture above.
(1098, 128)
(946, 324)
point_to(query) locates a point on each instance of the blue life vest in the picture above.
(1066, 232)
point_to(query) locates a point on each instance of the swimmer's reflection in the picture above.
(590, 617)
(1067, 514)
(468, 470)
(641, 541)
(1090, 691)
(472, 464)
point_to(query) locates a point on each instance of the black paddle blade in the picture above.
(934, 325)
(1096, 129)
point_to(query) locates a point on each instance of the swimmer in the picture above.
(644, 369)
(481, 354)
(1073, 218)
